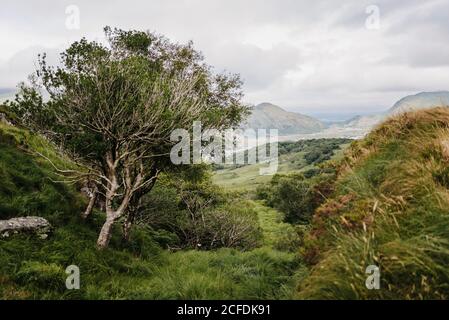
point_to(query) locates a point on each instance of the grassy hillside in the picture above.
(33, 268)
(390, 209)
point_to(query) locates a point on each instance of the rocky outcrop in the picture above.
(31, 225)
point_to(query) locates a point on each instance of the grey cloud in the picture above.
(22, 64)
(326, 58)
(258, 67)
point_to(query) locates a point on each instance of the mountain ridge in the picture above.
(269, 116)
(421, 100)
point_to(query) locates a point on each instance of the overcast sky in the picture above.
(306, 56)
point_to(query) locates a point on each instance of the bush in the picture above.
(231, 226)
(291, 238)
(291, 194)
(298, 195)
(293, 197)
(194, 213)
(316, 150)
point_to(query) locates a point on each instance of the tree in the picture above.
(293, 196)
(115, 106)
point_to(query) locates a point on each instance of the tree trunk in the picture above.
(135, 205)
(130, 186)
(111, 217)
(90, 207)
(105, 233)
(127, 224)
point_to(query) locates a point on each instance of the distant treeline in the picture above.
(317, 150)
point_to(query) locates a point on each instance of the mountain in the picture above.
(270, 116)
(367, 121)
(6, 93)
(423, 100)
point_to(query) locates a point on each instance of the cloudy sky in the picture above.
(329, 56)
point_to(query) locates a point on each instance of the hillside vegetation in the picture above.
(390, 209)
(34, 268)
(384, 202)
(299, 156)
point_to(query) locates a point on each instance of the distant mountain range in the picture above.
(421, 100)
(270, 116)
(6, 93)
(366, 121)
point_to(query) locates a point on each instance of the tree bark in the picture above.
(135, 205)
(105, 233)
(131, 193)
(127, 224)
(90, 207)
(111, 217)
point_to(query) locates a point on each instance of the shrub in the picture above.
(194, 213)
(232, 226)
(291, 238)
(297, 195)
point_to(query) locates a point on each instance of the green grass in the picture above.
(33, 268)
(222, 274)
(29, 186)
(263, 273)
(391, 209)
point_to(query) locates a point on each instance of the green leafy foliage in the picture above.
(199, 215)
(316, 150)
(296, 195)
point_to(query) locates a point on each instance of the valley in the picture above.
(105, 196)
(288, 260)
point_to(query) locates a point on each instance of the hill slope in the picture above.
(422, 100)
(34, 268)
(390, 209)
(269, 116)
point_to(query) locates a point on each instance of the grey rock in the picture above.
(34, 225)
